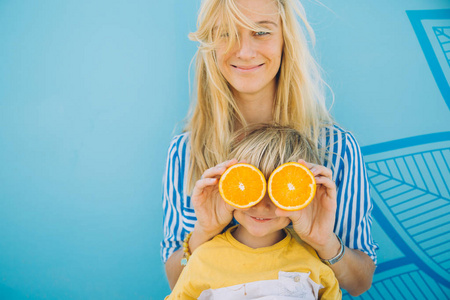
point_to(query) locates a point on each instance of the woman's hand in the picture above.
(314, 224)
(212, 213)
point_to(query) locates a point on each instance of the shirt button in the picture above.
(297, 278)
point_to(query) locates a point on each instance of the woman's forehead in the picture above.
(264, 7)
(257, 11)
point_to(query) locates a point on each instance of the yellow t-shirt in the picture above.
(224, 267)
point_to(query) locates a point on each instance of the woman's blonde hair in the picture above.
(300, 100)
(267, 146)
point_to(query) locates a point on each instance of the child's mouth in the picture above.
(261, 219)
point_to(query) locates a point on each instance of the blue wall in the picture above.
(90, 94)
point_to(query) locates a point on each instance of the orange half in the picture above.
(291, 186)
(242, 185)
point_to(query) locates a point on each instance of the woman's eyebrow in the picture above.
(259, 23)
(267, 22)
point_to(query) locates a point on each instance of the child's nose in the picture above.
(265, 203)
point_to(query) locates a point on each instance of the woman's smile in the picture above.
(252, 63)
(247, 68)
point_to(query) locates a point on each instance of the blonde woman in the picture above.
(253, 66)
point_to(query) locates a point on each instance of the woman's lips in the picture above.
(247, 68)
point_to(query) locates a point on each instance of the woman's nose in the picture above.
(246, 49)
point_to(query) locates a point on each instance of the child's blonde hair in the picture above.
(267, 146)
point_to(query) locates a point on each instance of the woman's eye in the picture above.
(261, 33)
(224, 35)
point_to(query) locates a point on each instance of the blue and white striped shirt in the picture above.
(341, 154)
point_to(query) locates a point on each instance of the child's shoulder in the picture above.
(297, 242)
(215, 245)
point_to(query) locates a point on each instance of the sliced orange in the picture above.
(242, 185)
(291, 186)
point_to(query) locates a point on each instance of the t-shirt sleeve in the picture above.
(172, 198)
(183, 289)
(331, 289)
(353, 218)
(194, 277)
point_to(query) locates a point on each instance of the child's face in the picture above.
(260, 225)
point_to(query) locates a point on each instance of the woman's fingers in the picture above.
(319, 170)
(328, 197)
(214, 172)
(201, 184)
(218, 170)
(325, 181)
(227, 163)
(305, 163)
(230, 162)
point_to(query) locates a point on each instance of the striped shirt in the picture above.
(340, 152)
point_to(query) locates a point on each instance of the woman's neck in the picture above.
(256, 108)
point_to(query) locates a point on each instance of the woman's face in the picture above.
(250, 66)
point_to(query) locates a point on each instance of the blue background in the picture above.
(91, 93)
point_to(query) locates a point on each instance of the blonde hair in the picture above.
(300, 100)
(267, 146)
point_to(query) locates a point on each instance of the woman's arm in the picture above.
(353, 214)
(212, 214)
(184, 287)
(173, 264)
(353, 220)
(315, 225)
(173, 267)
(354, 271)
(173, 198)
(173, 210)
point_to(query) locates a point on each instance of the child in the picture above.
(260, 258)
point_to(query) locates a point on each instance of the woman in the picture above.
(254, 66)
